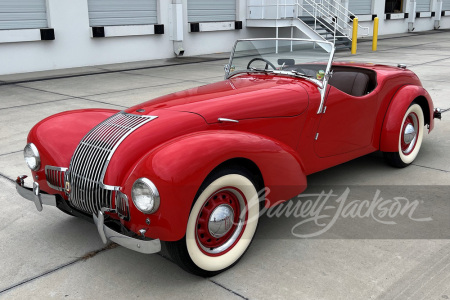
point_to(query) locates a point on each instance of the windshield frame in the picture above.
(322, 85)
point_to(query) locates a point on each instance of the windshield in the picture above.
(296, 57)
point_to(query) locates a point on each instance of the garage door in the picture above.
(446, 5)
(423, 5)
(360, 7)
(122, 12)
(211, 11)
(23, 14)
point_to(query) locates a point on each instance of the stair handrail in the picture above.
(345, 12)
(323, 12)
(321, 9)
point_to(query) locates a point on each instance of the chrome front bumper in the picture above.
(34, 195)
(106, 233)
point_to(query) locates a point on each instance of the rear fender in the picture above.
(179, 167)
(399, 105)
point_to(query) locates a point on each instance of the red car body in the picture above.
(274, 129)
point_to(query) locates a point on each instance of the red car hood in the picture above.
(242, 97)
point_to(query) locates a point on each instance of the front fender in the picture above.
(394, 116)
(57, 137)
(179, 167)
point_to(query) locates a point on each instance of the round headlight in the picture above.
(145, 195)
(32, 158)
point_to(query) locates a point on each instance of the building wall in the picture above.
(404, 24)
(74, 46)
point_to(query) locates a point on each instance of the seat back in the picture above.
(352, 83)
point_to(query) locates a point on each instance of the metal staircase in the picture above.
(317, 19)
(323, 28)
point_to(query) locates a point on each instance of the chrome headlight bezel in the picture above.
(145, 196)
(30, 153)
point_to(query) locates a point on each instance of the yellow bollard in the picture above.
(355, 35)
(375, 34)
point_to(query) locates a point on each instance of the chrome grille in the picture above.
(55, 177)
(91, 158)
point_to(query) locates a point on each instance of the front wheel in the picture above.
(410, 139)
(221, 225)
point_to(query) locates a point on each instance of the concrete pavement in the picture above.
(53, 255)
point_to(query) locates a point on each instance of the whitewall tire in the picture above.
(410, 138)
(222, 223)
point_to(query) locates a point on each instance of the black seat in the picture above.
(352, 83)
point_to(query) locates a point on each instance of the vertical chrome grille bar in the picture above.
(99, 142)
(91, 158)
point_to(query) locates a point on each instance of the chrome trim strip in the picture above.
(227, 120)
(117, 144)
(106, 233)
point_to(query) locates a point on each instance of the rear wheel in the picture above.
(221, 225)
(410, 139)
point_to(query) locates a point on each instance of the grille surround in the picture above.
(56, 177)
(122, 206)
(91, 159)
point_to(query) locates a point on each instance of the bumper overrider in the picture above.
(437, 113)
(39, 199)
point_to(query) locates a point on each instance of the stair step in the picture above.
(306, 18)
(309, 23)
(338, 39)
(341, 43)
(343, 47)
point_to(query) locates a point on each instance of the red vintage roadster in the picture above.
(190, 171)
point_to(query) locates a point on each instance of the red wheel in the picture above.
(221, 225)
(221, 221)
(410, 139)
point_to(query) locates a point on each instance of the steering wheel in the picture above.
(268, 63)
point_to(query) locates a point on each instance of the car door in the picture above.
(347, 123)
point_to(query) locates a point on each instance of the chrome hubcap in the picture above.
(410, 134)
(221, 220)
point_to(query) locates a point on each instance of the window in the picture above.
(393, 6)
(23, 14)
